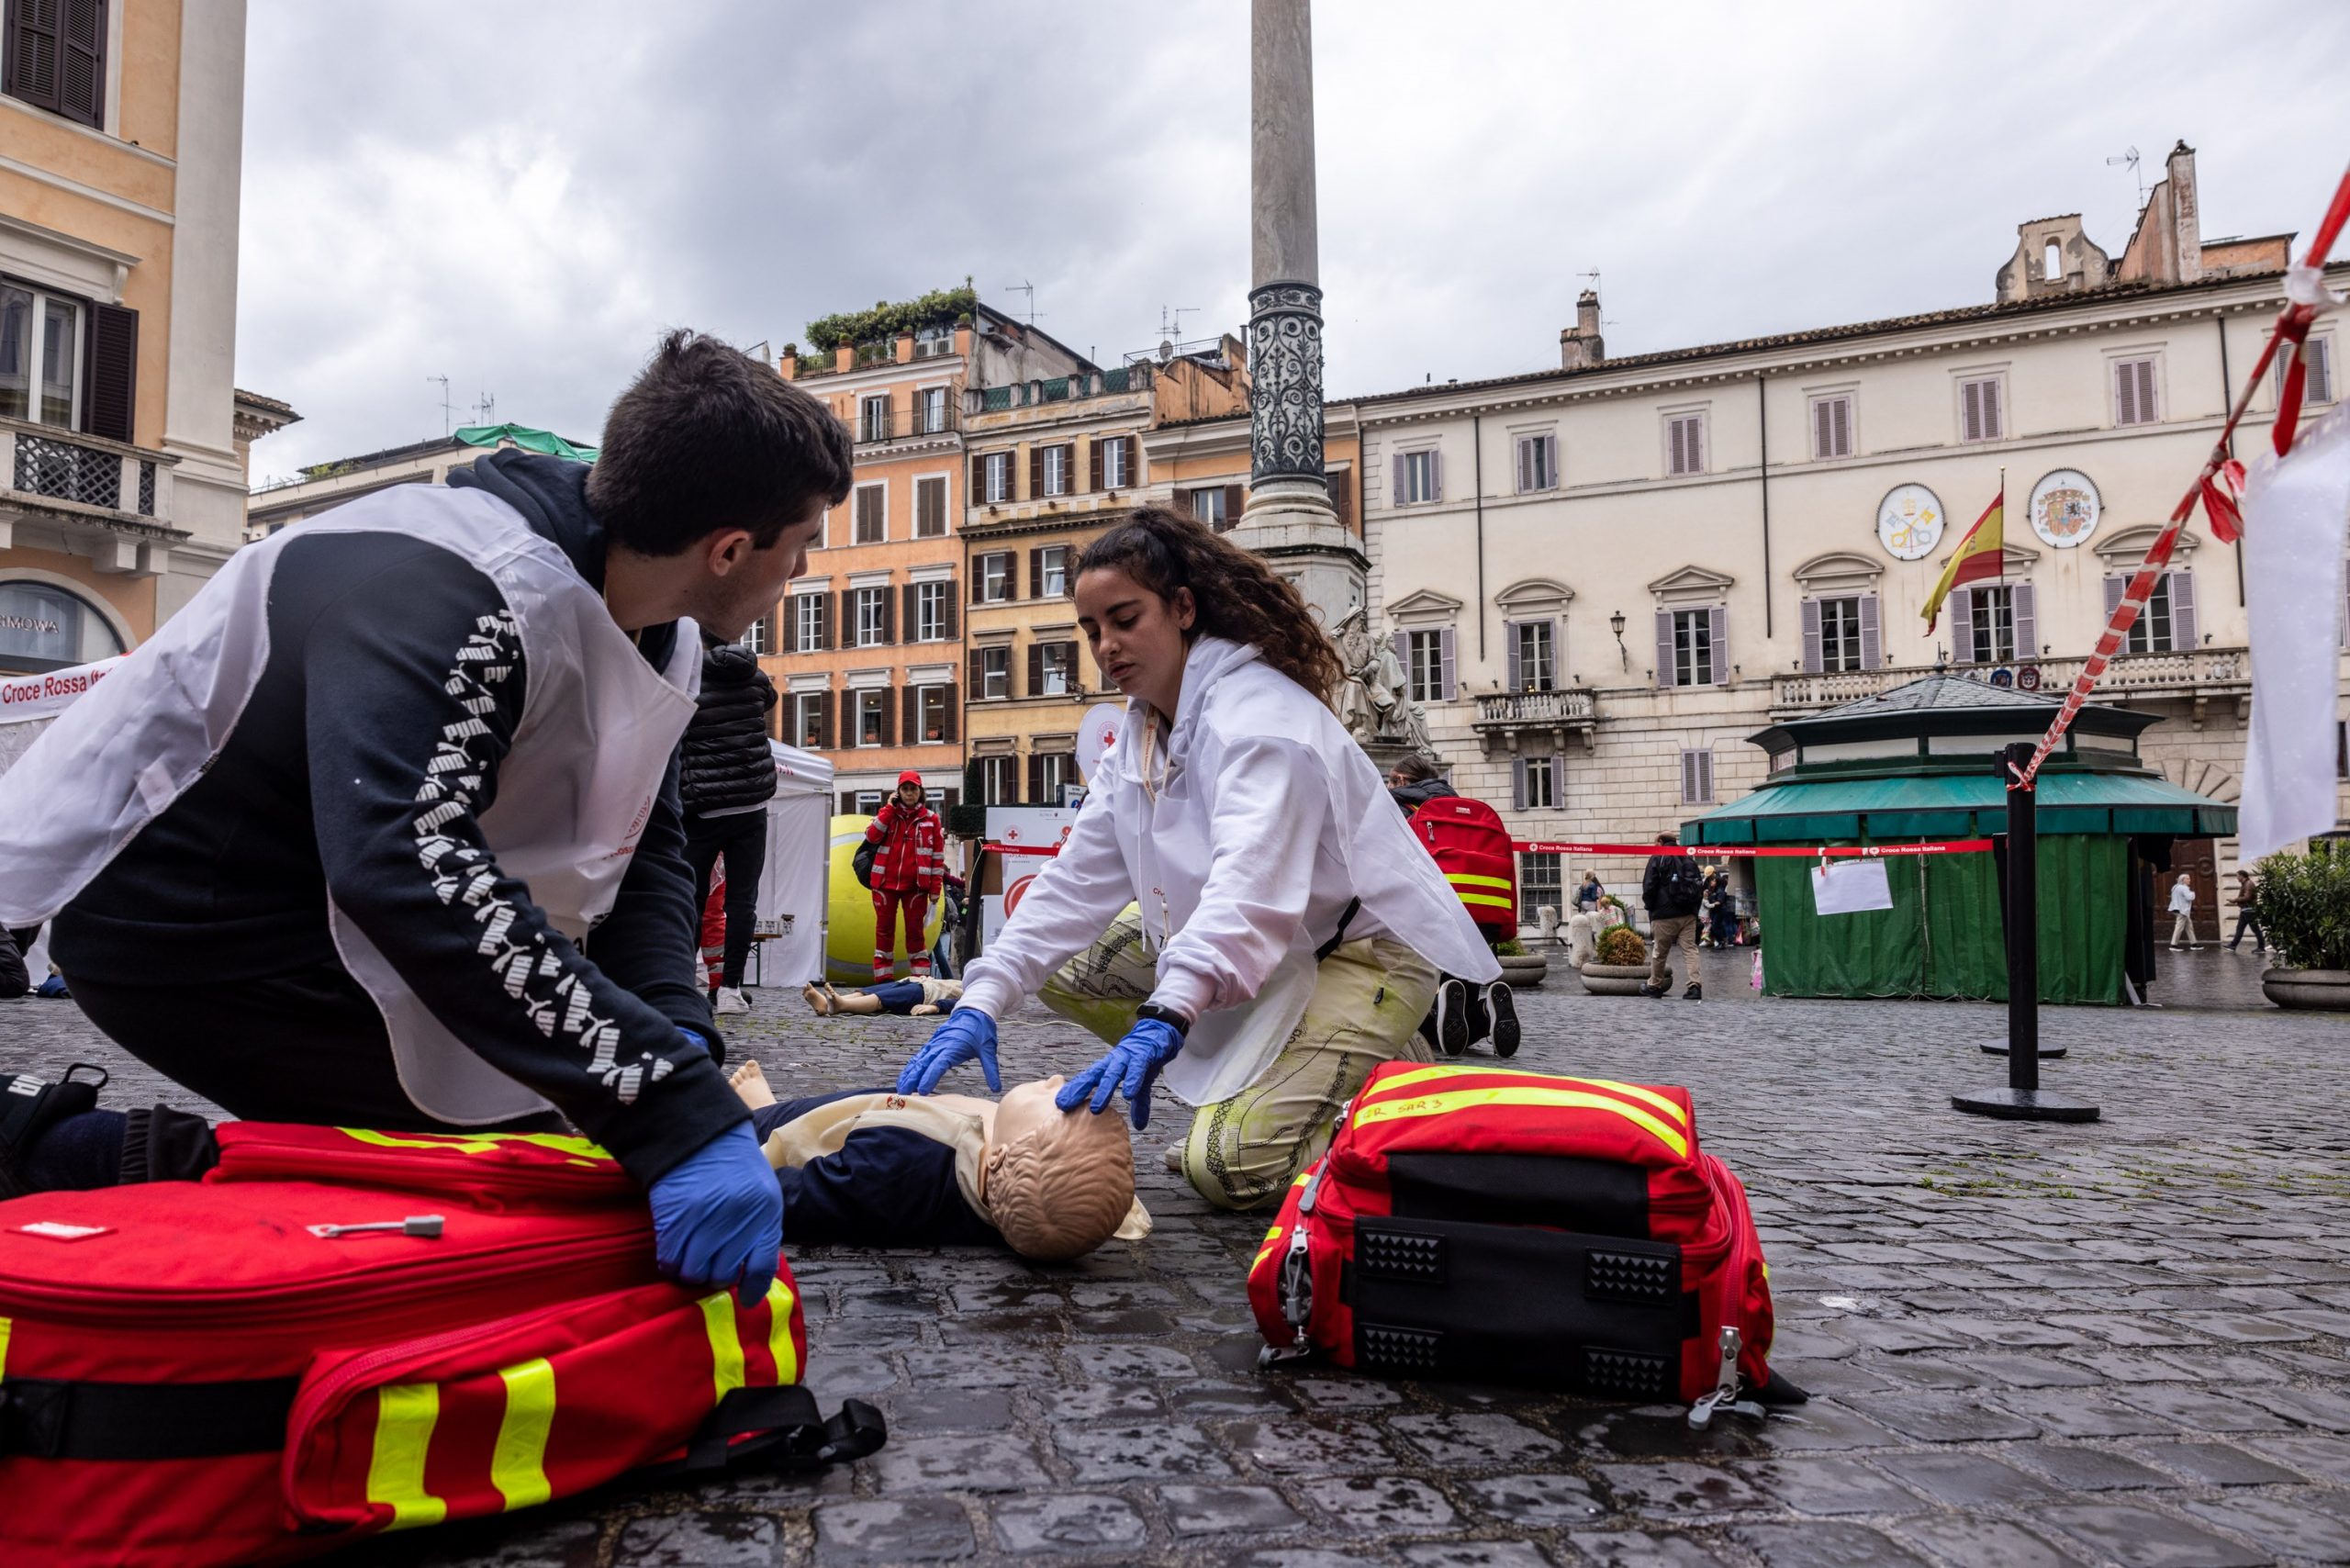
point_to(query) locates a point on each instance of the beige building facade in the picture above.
(121, 479)
(1670, 551)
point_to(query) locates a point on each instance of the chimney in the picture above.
(2186, 215)
(1580, 345)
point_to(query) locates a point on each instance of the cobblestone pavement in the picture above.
(2027, 1345)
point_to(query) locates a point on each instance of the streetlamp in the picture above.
(1623, 654)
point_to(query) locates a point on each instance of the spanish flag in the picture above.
(1979, 555)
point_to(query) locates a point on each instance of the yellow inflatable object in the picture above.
(849, 940)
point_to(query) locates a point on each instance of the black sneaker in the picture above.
(1452, 1016)
(1694, 994)
(1502, 1007)
(30, 1107)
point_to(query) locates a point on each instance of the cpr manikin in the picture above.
(878, 1168)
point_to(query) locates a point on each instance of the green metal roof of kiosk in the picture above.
(1916, 762)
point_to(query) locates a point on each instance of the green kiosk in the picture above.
(1920, 764)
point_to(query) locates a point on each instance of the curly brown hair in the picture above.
(1236, 594)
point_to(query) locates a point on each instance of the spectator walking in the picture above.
(1590, 895)
(1671, 887)
(2248, 912)
(1723, 910)
(725, 776)
(2182, 909)
(909, 870)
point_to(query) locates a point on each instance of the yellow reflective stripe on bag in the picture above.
(4, 1349)
(725, 1346)
(580, 1150)
(1388, 1087)
(780, 1304)
(1444, 1103)
(518, 1465)
(1470, 879)
(1488, 899)
(405, 1416)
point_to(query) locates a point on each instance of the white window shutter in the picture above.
(1970, 406)
(1679, 454)
(2125, 392)
(1688, 776)
(1435, 474)
(1706, 775)
(1720, 626)
(1843, 427)
(2317, 385)
(1821, 446)
(2182, 611)
(1524, 463)
(1990, 410)
(1664, 647)
(1444, 650)
(1401, 496)
(1551, 467)
(1696, 445)
(1509, 645)
(1811, 660)
(1517, 783)
(1871, 650)
(2148, 413)
(1962, 626)
(2026, 628)
(2117, 588)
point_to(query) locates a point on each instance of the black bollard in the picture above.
(2022, 1099)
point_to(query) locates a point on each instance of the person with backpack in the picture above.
(725, 777)
(1462, 1016)
(909, 870)
(1671, 887)
(1285, 933)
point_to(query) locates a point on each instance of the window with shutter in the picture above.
(1445, 643)
(1839, 623)
(1685, 444)
(937, 704)
(930, 508)
(1978, 406)
(2134, 392)
(1831, 427)
(2317, 382)
(2182, 611)
(872, 526)
(1872, 652)
(1814, 630)
(1036, 472)
(1696, 778)
(32, 47)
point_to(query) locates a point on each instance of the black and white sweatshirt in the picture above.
(376, 656)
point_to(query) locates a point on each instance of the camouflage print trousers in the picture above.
(1369, 998)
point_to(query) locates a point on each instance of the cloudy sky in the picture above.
(521, 196)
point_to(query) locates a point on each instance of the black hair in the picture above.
(709, 438)
(1415, 768)
(1235, 594)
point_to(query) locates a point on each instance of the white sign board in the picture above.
(1017, 828)
(1851, 887)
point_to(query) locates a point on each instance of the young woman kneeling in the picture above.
(1281, 934)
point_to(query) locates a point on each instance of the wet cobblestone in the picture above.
(2115, 1344)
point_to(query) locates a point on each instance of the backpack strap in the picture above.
(53, 1419)
(779, 1427)
(1345, 918)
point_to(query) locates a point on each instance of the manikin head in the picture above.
(1058, 1184)
(711, 484)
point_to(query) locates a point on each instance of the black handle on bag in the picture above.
(776, 1428)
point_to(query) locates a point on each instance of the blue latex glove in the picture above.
(967, 1033)
(1131, 1068)
(718, 1218)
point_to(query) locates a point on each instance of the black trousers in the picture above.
(742, 838)
(308, 1047)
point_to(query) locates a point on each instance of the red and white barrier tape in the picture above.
(2220, 486)
(1752, 852)
(1047, 850)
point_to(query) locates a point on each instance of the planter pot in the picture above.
(1525, 970)
(2327, 990)
(1614, 979)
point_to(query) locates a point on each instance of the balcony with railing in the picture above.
(110, 500)
(2198, 674)
(1520, 720)
(1059, 389)
(874, 428)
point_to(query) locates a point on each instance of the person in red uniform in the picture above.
(909, 870)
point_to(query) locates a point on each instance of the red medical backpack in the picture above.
(198, 1374)
(1471, 848)
(1513, 1227)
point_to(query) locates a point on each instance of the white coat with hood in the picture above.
(1261, 820)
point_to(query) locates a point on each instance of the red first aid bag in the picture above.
(1473, 849)
(208, 1372)
(1511, 1226)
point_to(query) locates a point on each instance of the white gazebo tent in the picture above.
(795, 885)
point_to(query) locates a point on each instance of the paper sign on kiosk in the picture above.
(1850, 886)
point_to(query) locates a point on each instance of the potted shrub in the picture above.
(1523, 969)
(2305, 910)
(1621, 967)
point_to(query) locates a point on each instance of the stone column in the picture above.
(1289, 518)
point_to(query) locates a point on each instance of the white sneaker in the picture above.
(731, 1000)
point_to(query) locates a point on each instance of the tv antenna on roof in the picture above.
(1170, 328)
(2130, 158)
(447, 408)
(1593, 274)
(1030, 290)
(486, 407)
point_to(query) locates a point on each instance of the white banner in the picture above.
(1851, 887)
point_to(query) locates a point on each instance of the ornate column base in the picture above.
(1289, 519)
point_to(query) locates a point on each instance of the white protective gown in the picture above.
(1268, 819)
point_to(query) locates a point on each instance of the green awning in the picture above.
(543, 442)
(1957, 805)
